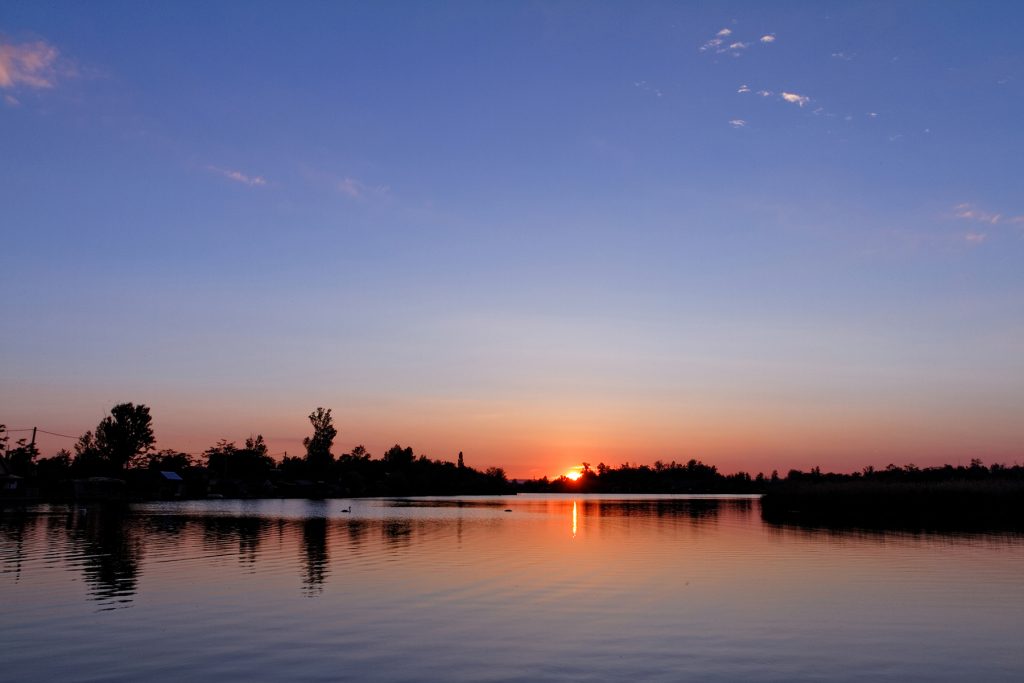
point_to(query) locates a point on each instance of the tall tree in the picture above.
(318, 446)
(22, 457)
(125, 435)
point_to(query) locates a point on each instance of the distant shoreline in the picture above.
(956, 505)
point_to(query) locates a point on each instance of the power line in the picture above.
(68, 436)
(56, 434)
(40, 429)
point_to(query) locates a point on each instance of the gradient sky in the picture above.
(765, 235)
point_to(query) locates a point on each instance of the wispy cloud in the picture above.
(842, 55)
(30, 65)
(647, 87)
(351, 187)
(357, 189)
(738, 123)
(744, 88)
(969, 212)
(722, 43)
(239, 177)
(793, 98)
(12, 101)
(711, 44)
(765, 93)
(974, 238)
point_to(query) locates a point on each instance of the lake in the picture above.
(519, 588)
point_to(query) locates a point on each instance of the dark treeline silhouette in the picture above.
(973, 497)
(691, 477)
(118, 459)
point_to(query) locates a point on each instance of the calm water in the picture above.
(596, 588)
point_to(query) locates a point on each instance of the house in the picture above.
(11, 485)
(169, 485)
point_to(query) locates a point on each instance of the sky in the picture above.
(762, 235)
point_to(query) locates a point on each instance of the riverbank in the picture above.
(944, 505)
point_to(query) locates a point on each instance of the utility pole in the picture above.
(32, 446)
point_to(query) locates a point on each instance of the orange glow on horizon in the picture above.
(574, 473)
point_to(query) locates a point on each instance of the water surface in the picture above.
(523, 588)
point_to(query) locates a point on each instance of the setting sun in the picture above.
(574, 474)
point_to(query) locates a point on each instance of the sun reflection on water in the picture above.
(574, 519)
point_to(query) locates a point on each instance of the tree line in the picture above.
(123, 446)
(695, 476)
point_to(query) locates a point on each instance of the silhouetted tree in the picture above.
(125, 435)
(169, 460)
(56, 467)
(359, 453)
(318, 446)
(22, 458)
(398, 458)
(88, 459)
(251, 463)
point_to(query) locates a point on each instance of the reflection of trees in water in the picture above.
(314, 545)
(112, 540)
(250, 533)
(169, 526)
(242, 535)
(357, 531)
(397, 532)
(696, 510)
(218, 533)
(12, 530)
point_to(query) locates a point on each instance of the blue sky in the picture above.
(762, 234)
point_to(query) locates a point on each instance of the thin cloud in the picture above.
(644, 85)
(351, 187)
(842, 55)
(713, 43)
(738, 123)
(969, 212)
(239, 177)
(357, 189)
(724, 42)
(744, 88)
(31, 65)
(12, 101)
(793, 98)
(765, 93)
(975, 238)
